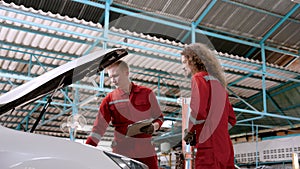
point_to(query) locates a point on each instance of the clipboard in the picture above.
(134, 129)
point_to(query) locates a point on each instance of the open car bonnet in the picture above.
(59, 77)
(19, 150)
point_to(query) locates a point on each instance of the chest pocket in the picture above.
(142, 104)
(118, 106)
(119, 109)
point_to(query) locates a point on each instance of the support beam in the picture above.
(254, 97)
(201, 17)
(183, 27)
(259, 10)
(275, 27)
(277, 107)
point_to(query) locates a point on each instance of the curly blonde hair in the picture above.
(200, 58)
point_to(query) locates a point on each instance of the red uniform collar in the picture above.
(202, 73)
(134, 88)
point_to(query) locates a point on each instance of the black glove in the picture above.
(149, 129)
(190, 138)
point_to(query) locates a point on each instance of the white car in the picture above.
(22, 150)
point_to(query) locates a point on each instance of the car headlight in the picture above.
(125, 162)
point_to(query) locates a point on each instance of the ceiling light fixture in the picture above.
(296, 1)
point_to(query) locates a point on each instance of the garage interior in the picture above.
(257, 42)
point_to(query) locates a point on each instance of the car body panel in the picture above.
(59, 77)
(21, 149)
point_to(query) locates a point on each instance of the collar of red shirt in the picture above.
(134, 88)
(202, 73)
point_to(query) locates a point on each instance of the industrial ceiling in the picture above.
(257, 43)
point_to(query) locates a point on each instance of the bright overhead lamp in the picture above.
(296, 1)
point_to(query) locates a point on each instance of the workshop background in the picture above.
(257, 42)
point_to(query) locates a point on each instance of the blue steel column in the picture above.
(74, 112)
(158, 86)
(264, 71)
(264, 93)
(193, 40)
(257, 150)
(106, 21)
(252, 128)
(29, 66)
(201, 17)
(105, 35)
(193, 31)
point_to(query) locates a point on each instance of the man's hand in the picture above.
(149, 129)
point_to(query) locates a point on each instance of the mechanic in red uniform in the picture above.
(127, 104)
(211, 112)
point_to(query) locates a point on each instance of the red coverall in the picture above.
(123, 110)
(211, 112)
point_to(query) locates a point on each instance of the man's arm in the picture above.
(156, 112)
(100, 124)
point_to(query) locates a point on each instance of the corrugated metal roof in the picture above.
(40, 41)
